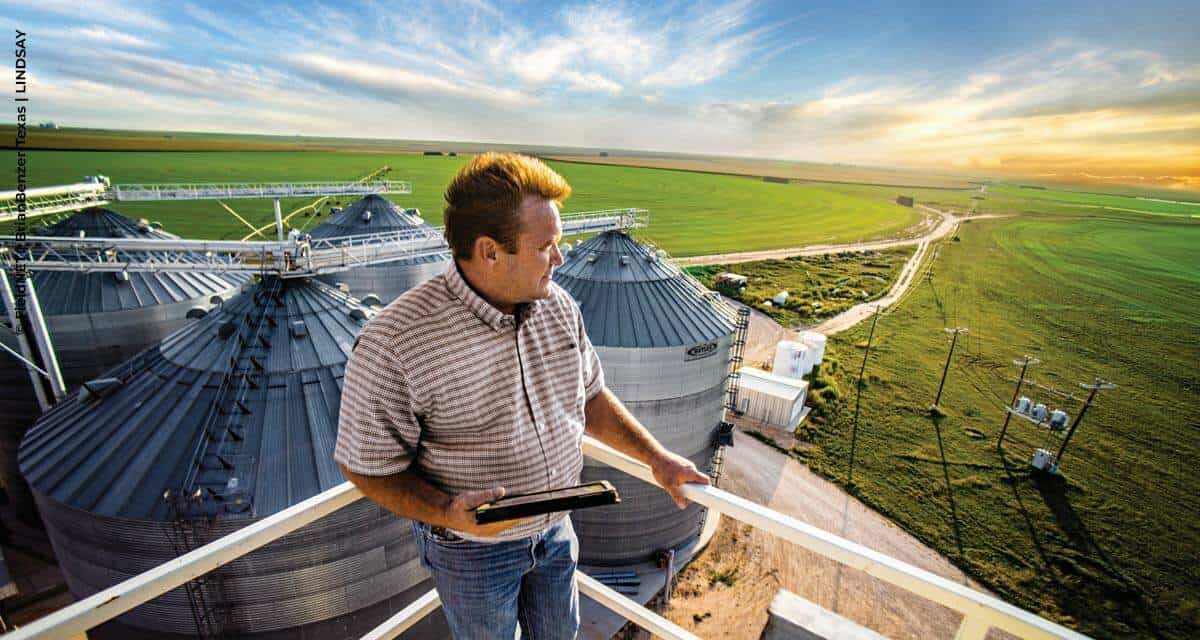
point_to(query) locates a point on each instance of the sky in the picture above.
(1068, 90)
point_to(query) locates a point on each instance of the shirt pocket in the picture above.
(563, 369)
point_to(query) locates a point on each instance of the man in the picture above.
(481, 382)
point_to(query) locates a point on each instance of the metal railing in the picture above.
(231, 190)
(38, 201)
(981, 612)
(289, 258)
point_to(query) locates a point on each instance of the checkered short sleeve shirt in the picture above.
(469, 397)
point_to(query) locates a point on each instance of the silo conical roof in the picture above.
(64, 293)
(96, 321)
(98, 222)
(389, 279)
(230, 419)
(632, 298)
(241, 404)
(383, 216)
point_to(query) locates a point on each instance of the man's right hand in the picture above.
(460, 513)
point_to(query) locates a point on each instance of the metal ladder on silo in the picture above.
(732, 385)
(201, 501)
(189, 524)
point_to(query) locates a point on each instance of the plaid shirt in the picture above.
(468, 396)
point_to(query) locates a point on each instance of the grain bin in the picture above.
(664, 343)
(96, 320)
(376, 214)
(226, 421)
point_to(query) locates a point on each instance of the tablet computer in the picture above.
(592, 494)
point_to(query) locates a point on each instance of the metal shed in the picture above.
(664, 343)
(228, 420)
(376, 214)
(771, 398)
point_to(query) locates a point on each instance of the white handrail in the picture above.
(406, 617)
(634, 612)
(588, 586)
(105, 605)
(980, 611)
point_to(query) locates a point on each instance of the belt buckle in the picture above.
(444, 534)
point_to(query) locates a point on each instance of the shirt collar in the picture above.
(490, 315)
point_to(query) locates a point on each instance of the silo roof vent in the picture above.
(98, 388)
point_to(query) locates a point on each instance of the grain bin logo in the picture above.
(700, 351)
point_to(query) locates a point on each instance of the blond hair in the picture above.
(485, 196)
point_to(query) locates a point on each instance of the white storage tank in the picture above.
(816, 341)
(780, 298)
(1023, 405)
(792, 359)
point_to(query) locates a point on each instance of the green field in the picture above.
(691, 213)
(1012, 199)
(818, 286)
(1112, 550)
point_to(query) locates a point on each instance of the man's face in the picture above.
(527, 272)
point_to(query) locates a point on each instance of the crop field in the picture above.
(798, 171)
(1012, 199)
(125, 140)
(691, 213)
(818, 286)
(1110, 548)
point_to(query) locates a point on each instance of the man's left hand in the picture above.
(672, 471)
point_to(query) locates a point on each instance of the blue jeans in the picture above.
(488, 589)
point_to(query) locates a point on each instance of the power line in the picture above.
(858, 395)
(1016, 392)
(1096, 387)
(953, 341)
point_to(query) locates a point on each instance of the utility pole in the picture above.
(953, 341)
(1095, 387)
(858, 394)
(1008, 414)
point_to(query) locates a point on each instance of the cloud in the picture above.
(591, 83)
(102, 11)
(107, 36)
(388, 81)
(1068, 104)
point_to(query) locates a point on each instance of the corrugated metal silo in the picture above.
(96, 321)
(664, 343)
(229, 420)
(376, 214)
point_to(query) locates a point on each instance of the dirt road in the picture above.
(761, 563)
(935, 224)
